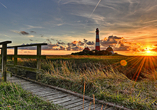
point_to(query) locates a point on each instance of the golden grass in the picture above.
(112, 86)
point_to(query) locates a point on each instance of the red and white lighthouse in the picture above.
(97, 44)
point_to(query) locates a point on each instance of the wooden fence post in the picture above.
(38, 59)
(15, 55)
(1, 56)
(15, 59)
(38, 54)
(4, 61)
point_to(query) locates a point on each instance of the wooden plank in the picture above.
(15, 78)
(5, 42)
(91, 107)
(80, 107)
(47, 94)
(11, 79)
(30, 86)
(28, 56)
(47, 89)
(26, 45)
(57, 93)
(34, 89)
(26, 83)
(51, 98)
(75, 99)
(38, 93)
(42, 88)
(42, 92)
(86, 104)
(61, 99)
(21, 45)
(51, 91)
(17, 81)
(64, 99)
(23, 83)
(56, 96)
(26, 68)
(80, 103)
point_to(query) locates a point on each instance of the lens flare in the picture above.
(123, 62)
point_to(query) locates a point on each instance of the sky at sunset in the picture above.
(128, 26)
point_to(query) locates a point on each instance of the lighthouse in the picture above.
(97, 44)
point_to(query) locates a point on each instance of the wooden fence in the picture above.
(4, 57)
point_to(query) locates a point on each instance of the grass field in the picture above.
(124, 80)
(13, 97)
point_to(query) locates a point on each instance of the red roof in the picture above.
(109, 49)
(87, 49)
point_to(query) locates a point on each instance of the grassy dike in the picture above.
(13, 97)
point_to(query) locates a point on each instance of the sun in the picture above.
(148, 51)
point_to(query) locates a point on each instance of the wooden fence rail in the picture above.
(4, 57)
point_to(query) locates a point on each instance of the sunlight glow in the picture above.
(148, 51)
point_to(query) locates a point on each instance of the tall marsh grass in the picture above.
(106, 84)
